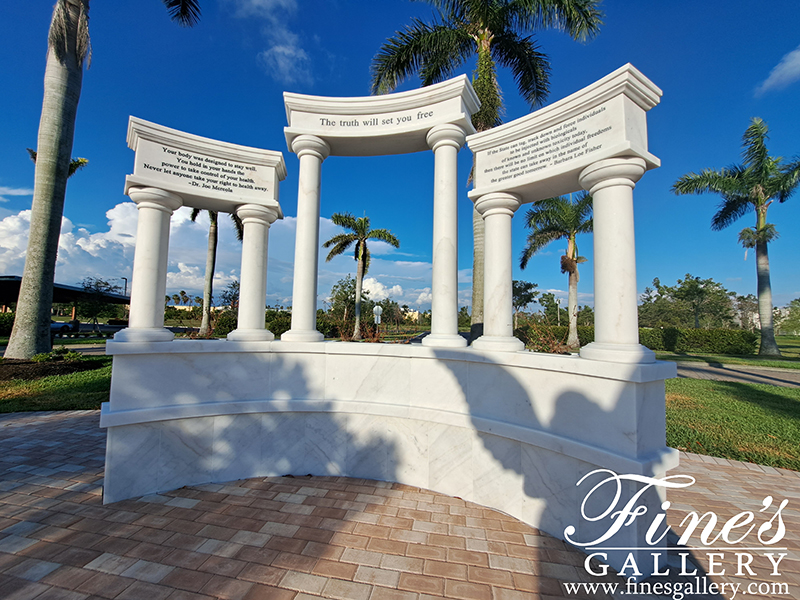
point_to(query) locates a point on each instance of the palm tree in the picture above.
(754, 185)
(75, 164)
(554, 219)
(68, 49)
(360, 233)
(496, 31)
(211, 261)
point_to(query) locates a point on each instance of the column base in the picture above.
(251, 335)
(495, 343)
(444, 340)
(302, 336)
(619, 353)
(144, 334)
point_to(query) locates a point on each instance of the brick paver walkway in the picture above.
(298, 538)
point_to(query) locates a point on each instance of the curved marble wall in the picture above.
(513, 431)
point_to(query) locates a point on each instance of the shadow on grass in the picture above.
(739, 421)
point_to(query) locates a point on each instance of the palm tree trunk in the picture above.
(62, 90)
(768, 345)
(476, 323)
(572, 306)
(359, 282)
(211, 261)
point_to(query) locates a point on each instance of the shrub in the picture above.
(278, 321)
(42, 357)
(224, 322)
(6, 323)
(72, 356)
(550, 338)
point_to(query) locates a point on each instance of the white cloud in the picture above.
(424, 297)
(378, 291)
(287, 64)
(109, 254)
(284, 59)
(786, 72)
(7, 191)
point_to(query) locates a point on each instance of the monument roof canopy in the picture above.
(380, 125)
(205, 173)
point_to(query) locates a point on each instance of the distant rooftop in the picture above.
(62, 294)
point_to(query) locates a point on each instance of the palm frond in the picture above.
(60, 25)
(75, 165)
(345, 220)
(340, 246)
(536, 241)
(731, 180)
(731, 209)
(341, 238)
(185, 12)
(195, 214)
(238, 226)
(384, 235)
(790, 178)
(432, 50)
(580, 19)
(530, 67)
(754, 143)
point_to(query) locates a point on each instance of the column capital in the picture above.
(497, 203)
(446, 135)
(256, 213)
(312, 145)
(624, 170)
(150, 197)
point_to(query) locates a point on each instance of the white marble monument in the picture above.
(433, 118)
(492, 423)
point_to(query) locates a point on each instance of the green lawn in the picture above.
(788, 344)
(750, 422)
(77, 391)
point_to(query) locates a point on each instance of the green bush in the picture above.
(668, 339)
(224, 322)
(6, 323)
(278, 321)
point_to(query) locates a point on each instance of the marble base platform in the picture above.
(514, 431)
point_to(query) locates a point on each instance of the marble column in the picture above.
(497, 209)
(445, 141)
(256, 220)
(311, 151)
(616, 322)
(149, 283)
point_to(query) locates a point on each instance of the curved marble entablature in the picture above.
(541, 155)
(379, 125)
(205, 173)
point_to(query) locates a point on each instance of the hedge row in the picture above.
(669, 339)
(6, 323)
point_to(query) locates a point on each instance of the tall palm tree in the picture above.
(754, 185)
(75, 164)
(360, 233)
(211, 261)
(554, 219)
(494, 31)
(68, 49)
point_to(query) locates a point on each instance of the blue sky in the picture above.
(719, 63)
